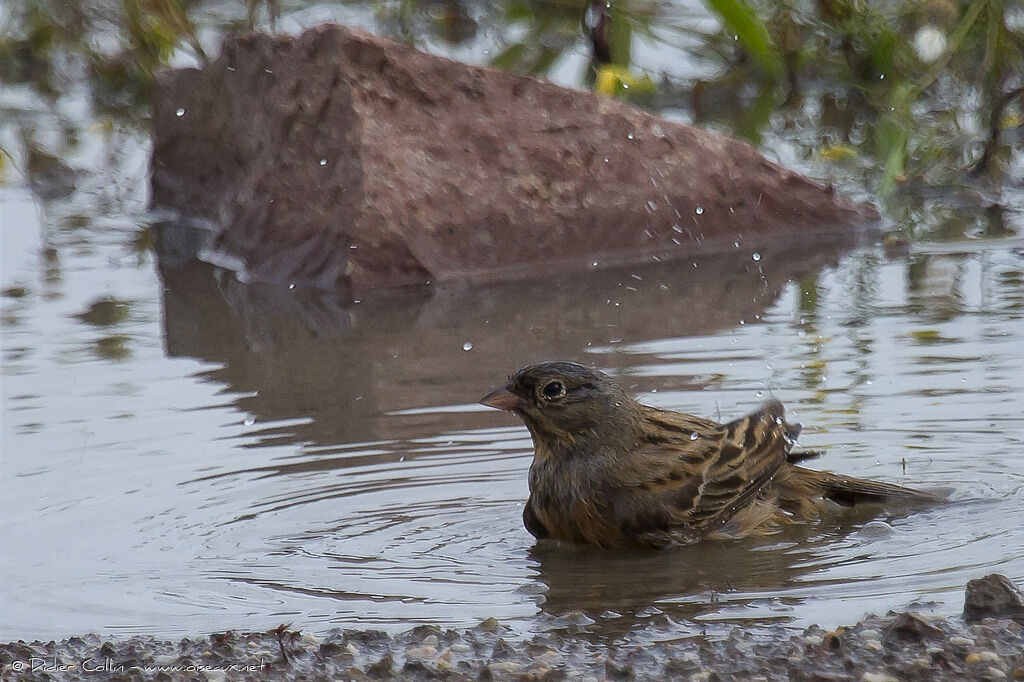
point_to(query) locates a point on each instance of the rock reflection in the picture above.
(343, 366)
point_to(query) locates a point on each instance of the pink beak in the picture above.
(502, 399)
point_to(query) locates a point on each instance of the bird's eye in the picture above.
(553, 390)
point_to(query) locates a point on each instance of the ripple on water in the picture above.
(345, 476)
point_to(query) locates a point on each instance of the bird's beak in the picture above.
(502, 399)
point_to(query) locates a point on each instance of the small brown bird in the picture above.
(610, 471)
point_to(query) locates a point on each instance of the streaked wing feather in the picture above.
(685, 486)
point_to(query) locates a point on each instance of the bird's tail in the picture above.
(846, 490)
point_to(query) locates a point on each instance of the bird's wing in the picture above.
(682, 486)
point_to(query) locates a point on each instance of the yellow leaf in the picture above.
(614, 79)
(837, 152)
(606, 82)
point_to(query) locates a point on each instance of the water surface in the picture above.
(183, 453)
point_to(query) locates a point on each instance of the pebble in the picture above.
(421, 653)
(878, 677)
(504, 668)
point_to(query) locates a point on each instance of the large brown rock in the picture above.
(344, 160)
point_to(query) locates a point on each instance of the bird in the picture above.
(610, 471)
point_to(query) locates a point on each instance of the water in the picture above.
(182, 453)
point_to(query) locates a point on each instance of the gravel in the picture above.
(896, 646)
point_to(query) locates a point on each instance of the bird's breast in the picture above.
(567, 504)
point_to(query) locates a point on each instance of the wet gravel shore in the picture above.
(896, 646)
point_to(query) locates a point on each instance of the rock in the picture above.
(993, 596)
(346, 161)
(911, 626)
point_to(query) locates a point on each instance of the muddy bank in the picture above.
(346, 161)
(896, 646)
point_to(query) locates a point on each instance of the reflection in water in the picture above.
(269, 455)
(386, 497)
(393, 352)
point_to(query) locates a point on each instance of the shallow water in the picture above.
(182, 453)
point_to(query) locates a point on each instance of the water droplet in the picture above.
(699, 210)
(759, 394)
(881, 77)
(694, 436)
(467, 346)
(594, 264)
(606, 159)
(249, 421)
(743, 322)
(630, 136)
(652, 205)
(736, 244)
(291, 285)
(756, 256)
(323, 162)
(179, 112)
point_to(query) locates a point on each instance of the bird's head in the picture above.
(563, 402)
